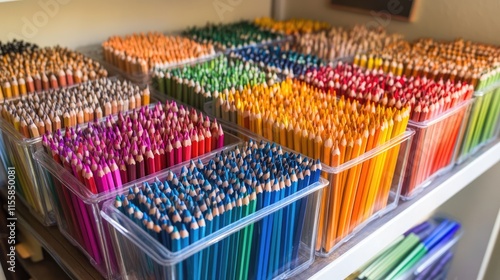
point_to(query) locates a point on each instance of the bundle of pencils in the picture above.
(292, 26)
(437, 115)
(474, 63)
(275, 59)
(140, 53)
(340, 42)
(458, 60)
(205, 198)
(429, 240)
(197, 84)
(48, 111)
(114, 151)
(43, 69)
(336, 131)
(16, 46)
(232, 36)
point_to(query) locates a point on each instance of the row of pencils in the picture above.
(46, 112)
(35, 69)
(110, 152)
(333, 130)
(204, 198)
(199, 83)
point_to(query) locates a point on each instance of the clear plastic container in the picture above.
(17, 151)
(96, 52)
(434, 148)
(77, 209)
(140, 256)
(483, 124)
(343, 217)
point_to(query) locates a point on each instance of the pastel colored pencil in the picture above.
(338, 42)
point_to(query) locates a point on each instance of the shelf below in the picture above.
(380, 233)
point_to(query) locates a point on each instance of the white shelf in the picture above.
(376, 236)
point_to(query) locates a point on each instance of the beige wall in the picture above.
(76, 23)
(446, 19)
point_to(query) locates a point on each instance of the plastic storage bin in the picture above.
(140, 256)
(77, 209)
(434, 148)
(341, 218)
(17, 151)
(483, 124)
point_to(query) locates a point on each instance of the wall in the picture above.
(445, 19)
(76, 23)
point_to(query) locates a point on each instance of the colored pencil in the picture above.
(31, 69)
(291, 26)
(140, 53)
(409, 253)
(199, 83)
(231, 36)
(233, 197)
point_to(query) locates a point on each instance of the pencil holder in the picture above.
(434, 148)
(232, 251)
(77, 209)
(483, 124)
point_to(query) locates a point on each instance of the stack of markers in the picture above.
(205, 198)
(197, 84)
(42, 69)
(406, 257)
(232, 36)
(341, 43)
(16, 46)
(48, 111)
(292, 26)
(309, 121)
(139, 53)
(274, 59)
(107, 154)
(436, 136)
